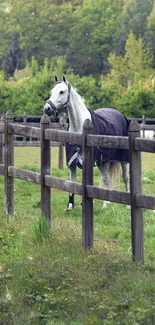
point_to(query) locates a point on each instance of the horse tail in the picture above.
(114, 172)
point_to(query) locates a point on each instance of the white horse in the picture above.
(64, 96)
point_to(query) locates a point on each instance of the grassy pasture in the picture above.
(47, 278)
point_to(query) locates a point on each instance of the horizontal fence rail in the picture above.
(26, 175)
(143, 201)
(147, 127)
(134, 198)
(144, 145)
(24, 130)
(30, 135)
(107, 141)
(26, 118)
(63, 136)
(63, 185)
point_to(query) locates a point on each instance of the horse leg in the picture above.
(105, 179)
(125, 175)
(70, 204)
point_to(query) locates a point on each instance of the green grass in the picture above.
(46, 278)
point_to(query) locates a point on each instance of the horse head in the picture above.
(59, 99)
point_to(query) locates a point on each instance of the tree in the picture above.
(5, 35)
(85, 31)
(136, 61)
(12, 59)
(92, 30)
(43, 27)
(150, 33)
(5, 94)
(134, 19)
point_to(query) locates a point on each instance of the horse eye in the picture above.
(61, 92)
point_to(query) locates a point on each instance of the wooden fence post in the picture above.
(143, 122)
(1, 145)
(87, 179)
(25, 122)
(8, 161)
(61, 151)
(136, 187)
(45, 169)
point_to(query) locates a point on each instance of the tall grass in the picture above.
(46, 276)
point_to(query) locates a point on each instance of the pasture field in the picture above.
(46, 278)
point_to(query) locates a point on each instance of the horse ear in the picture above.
(64, 78)
(56, 79)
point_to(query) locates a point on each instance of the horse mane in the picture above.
(76, 89)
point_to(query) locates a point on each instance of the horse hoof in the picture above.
(67, 209)
(105, 204)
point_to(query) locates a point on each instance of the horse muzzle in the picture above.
(49, 108)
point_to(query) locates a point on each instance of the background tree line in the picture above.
(106, 48)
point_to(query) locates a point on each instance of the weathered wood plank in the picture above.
(108, 194)
(33, 144)
(37, 124)
(26, 143)
(147, 127)
(1, 127)
(145, 201)
(61, 149)
(144, 145)
(63, 185)
(136, 187)
(24, 130)
(61, 156)
(1, 141)
(87, 179)
(142, 119)
(141, 126)
(1, 169)
(23, 174)
(1, 149)
(45, 156)
(32, 117)
(107, 141)
(8, 161)
(63, 136)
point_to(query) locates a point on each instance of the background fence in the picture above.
(27, 141)
(135, 198)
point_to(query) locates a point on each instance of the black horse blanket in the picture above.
(105, 121)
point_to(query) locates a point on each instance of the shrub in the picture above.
(137, 102)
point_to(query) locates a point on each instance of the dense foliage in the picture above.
(106, 48)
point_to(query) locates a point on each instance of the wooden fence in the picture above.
(59, 123)
(135, 198)
(26, 141)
